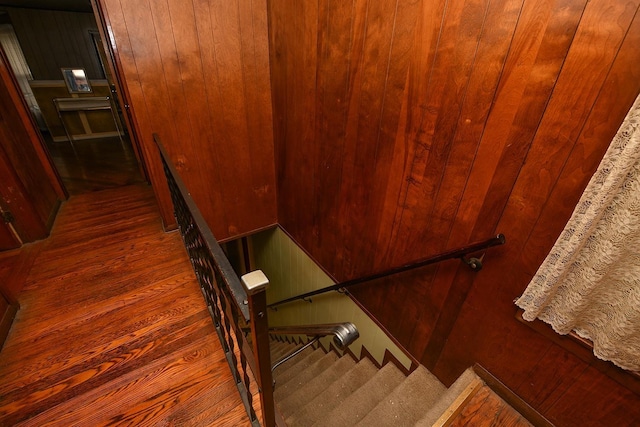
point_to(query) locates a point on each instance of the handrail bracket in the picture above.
(474, 263)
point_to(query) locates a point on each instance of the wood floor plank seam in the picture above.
(70, 366)
(120, 394)
(145, 295)
(152, 320)
(113, 328)
(53, 390)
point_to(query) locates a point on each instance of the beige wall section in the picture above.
(292, 272)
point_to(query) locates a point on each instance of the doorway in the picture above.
(83, 128)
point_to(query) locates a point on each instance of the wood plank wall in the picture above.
(52, 39)
(29, 186)
(197, 74)
(406, 127)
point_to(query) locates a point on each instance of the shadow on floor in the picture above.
(95, 164)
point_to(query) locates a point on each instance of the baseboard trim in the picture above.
(583, 349)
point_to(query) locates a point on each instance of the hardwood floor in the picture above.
(95, 164)
(113, 329)
(486, 408)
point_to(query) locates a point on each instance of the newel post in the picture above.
(256, 284)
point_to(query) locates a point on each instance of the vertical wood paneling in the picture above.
(8, 240)
(493, 46)
(569, 143)
(541, 42)
(544, 33)
(16, 199)
(335, 43)
(552, 146)
(488, 117)
(368, 65)
(227, 34)
(147, 89)
(294, 73)
(254, 31)
(588, 62)
(29, 187)
(432, 130)
(204, 25)
(543, 36)
(198, 75)
(53, 39)
(467, 130)
(614, 100)
(374, 118)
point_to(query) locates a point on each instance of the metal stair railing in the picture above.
(343, 333)
(233, 303)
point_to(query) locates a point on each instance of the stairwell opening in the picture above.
(292, 272)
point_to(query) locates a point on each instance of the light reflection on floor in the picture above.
(95, 164)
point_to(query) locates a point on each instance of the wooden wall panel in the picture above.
(583, 403)
(197, 74)
(52, 39)
(558, 172)
(443, 124)
(8, 239)
(29, 186)
(15, 198)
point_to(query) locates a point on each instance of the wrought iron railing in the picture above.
(238, 305)
(234, 304)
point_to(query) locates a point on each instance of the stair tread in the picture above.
(408, 402)
(332, 396)
(453, 393)
(315, 385)
(281, 349)
(358, 404)
(291, 368)
(275, 345)
(284, 389)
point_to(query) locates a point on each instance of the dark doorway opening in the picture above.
(91, 150)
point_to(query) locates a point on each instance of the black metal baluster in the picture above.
(223, 293)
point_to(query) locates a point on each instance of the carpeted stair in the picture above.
(322, 389)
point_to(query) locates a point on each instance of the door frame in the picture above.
(115, 69)
(27, 222)
(8, 238)
(9, 80)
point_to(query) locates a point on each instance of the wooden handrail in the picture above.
(459, 253)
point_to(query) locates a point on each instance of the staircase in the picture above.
(318, 388)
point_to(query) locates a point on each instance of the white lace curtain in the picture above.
(590, 281)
